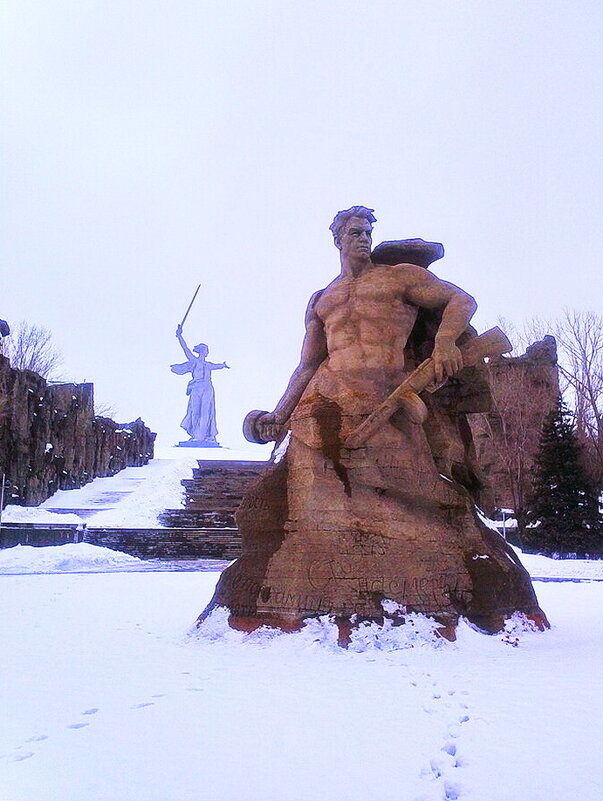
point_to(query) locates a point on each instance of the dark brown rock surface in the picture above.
(342, 533)
(50, 438)
(525, 388)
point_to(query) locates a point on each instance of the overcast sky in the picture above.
(151, 146)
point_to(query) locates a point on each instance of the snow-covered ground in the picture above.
(106, 694)
(85, 558)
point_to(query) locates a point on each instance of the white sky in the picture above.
(150, 146)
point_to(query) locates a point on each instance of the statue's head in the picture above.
(343, 217)
(201, 349)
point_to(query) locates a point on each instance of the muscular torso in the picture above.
(357, 329)
(367, 320)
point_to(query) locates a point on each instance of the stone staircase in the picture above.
(205, 527)
(213, 494)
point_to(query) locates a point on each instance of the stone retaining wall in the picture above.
(50, 438)
(146, 543)
(169, 543)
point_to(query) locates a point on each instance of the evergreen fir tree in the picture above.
(563, 514)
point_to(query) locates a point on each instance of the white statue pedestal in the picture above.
(197, 443)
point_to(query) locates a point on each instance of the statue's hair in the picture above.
(342, 217)
(197, 348)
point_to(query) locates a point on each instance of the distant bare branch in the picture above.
(533, 330)
(103, 409)
(522, 396)
(30, 347)
(579, 337)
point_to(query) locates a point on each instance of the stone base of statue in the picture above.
(357, 533)
(198, 443)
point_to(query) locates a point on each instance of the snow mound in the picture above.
(544, 567)
(34, 514)
(417, 631)
(73, 557)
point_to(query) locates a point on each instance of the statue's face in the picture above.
(356, 239)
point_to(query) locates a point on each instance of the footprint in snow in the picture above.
(450, 748)
(20, 757)
(91, 711)
(37, 738)
(77, 725)
(452, 791)
(442, 770)
(144, 703)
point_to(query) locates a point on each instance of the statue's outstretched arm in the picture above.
(313, 353)
(187, 351)
(458, 307)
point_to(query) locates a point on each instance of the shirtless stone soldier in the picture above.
(346, 531)
(363, 319)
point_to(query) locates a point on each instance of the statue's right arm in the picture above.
(313, 353)
(187, 351)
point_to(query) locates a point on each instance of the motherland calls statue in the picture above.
(367, 510)
(200, 419)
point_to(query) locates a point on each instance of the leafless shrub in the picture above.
(522, 396)
(103, 409)
(579, 337)
(30, 347)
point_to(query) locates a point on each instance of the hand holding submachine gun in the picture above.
(406, 397)
(491, 343)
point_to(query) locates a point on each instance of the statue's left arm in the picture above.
(425, 290)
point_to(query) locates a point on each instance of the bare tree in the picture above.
(103, 409)
(30, 347)
(580, 338)
(524, 389)
(533, 330)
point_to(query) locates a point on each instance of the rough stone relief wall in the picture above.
(524, 388)
(50, 438)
